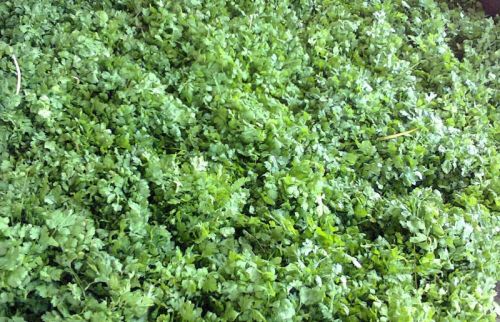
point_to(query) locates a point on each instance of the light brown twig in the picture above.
(393, 136)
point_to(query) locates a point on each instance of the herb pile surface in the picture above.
(248, 160)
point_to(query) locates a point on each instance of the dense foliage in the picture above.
(227, 160)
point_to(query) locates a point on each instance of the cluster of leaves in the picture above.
(222, 160)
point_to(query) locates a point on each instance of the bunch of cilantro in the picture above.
(292, 160)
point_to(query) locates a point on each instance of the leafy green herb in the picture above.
(248, 160)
